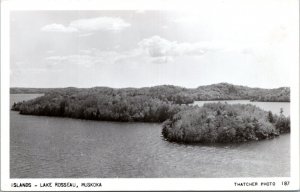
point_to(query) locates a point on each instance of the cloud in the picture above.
(100, 23)
(58, 28)
(87, 26)
(159, 47)
(78, 60)
(91, 58)
(154, 49)
(163, 50)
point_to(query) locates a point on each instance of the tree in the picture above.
(270, 117)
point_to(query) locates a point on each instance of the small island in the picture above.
(224, 123)
(172, 105)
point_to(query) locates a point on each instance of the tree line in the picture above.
(180, 95)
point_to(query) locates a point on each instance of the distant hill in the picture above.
(180, 95)
(24, 90)
(224, 91)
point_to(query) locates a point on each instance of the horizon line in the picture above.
(149, 86)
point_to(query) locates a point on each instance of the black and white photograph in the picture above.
(202, 92)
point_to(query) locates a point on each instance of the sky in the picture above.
(251, 44)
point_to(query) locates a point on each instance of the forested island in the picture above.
(224, 123)
(171, 105)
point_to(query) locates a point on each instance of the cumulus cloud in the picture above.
(163, 50)
(157, 46)
(89, 25)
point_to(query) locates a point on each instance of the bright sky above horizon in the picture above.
(251, 44)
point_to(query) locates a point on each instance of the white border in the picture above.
(132, 184)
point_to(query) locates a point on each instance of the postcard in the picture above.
(140, 95)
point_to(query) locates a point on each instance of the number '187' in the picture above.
(285, 183)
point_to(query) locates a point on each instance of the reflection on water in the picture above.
(49, 147)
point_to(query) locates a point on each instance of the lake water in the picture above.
(50, 147)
